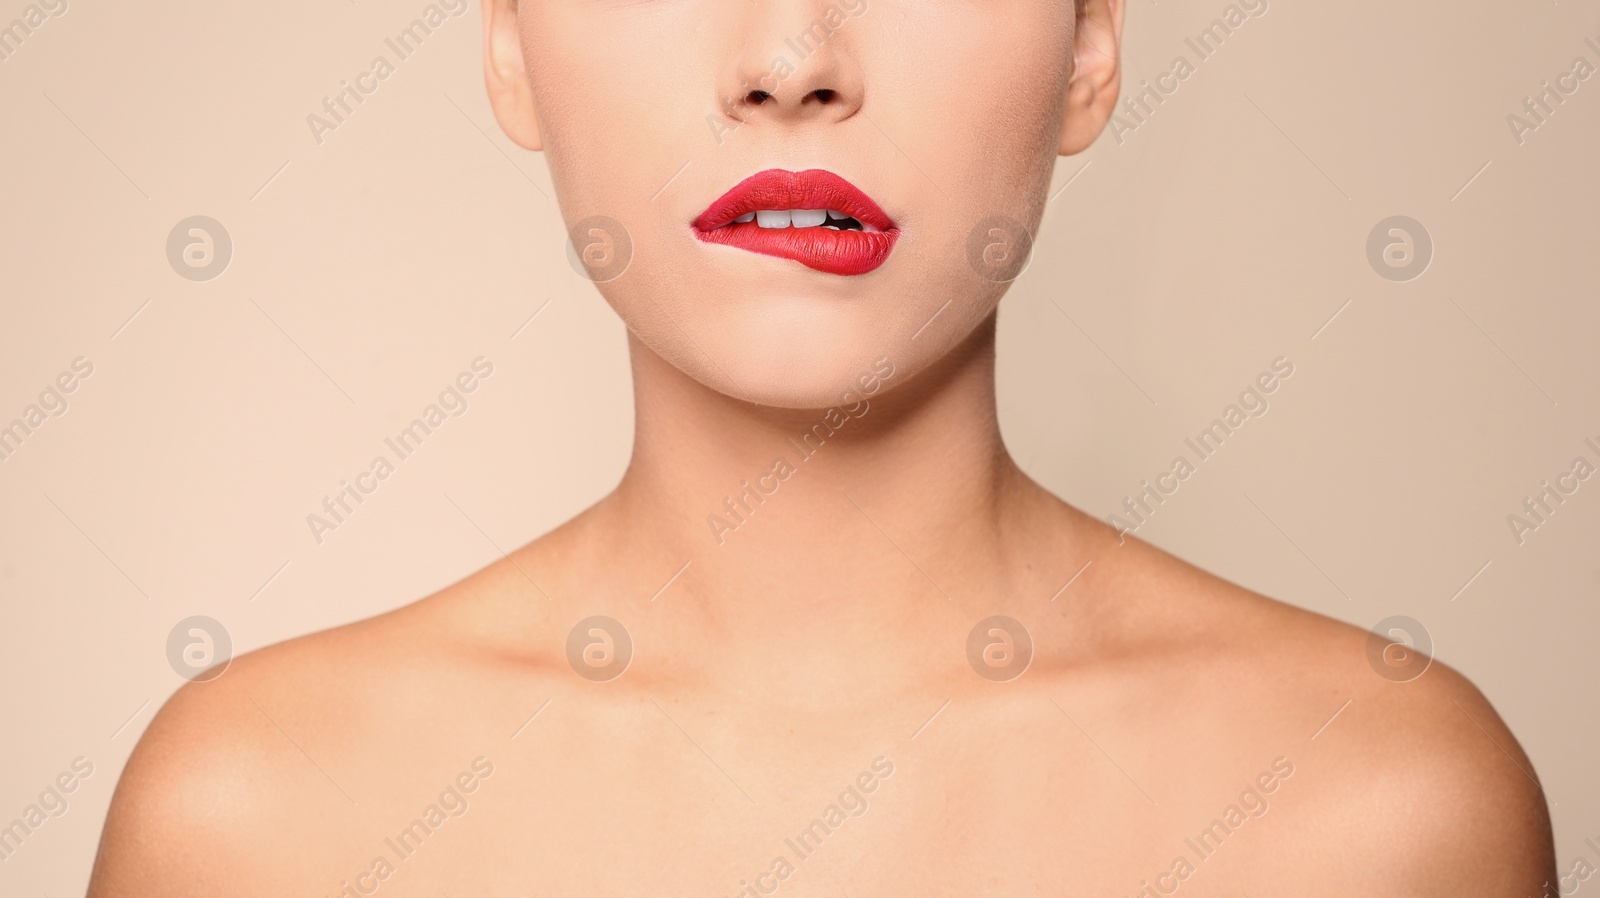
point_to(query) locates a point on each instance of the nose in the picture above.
(795, 62)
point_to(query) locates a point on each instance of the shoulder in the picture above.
(244, 779)
(1402, 761)
(1450, 801)
(210, 760)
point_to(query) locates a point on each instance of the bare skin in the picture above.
(825, 634)
(1172, 733)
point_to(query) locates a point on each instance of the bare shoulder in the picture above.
(1451, 800)
(1403, 761)
(304, 739)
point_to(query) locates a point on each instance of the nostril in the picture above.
(757, 97)
(824, 95)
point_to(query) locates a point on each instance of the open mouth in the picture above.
(813, 217)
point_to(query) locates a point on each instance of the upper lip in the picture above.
(776, 189)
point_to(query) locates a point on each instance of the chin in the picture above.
(785, 337)
(789, 366)
(785, 352)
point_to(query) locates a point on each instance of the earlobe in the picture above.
(1096, 80)
(506, 76)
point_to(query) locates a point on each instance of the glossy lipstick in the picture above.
(855, 237)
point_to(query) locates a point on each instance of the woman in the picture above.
(824, 637)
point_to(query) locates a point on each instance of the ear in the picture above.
(1096, 81)
(506, 75)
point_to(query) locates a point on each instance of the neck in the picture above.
(823, 534)
(725, 478)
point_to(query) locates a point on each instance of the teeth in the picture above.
(799, 218)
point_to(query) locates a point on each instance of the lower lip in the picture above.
(819, 248)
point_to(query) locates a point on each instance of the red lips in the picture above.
(846, 252)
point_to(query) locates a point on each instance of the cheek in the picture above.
(982, 91)
(618, 114)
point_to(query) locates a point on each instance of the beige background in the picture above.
(1225, 231)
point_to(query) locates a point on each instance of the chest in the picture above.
(649, 804)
